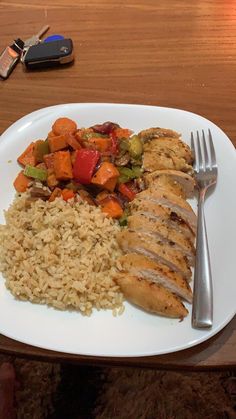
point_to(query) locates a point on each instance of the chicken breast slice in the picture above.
(156, 132)
(144, 267)
(131, 241)
(163, 159)
(160, 231)
(173, 202)
(150, 296)
(162, 215)
(174, 147)
(167, 153)
(182, 184)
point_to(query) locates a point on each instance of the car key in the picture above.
(49, 54)
(33, 40)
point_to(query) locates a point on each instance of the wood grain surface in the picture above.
(177, 54)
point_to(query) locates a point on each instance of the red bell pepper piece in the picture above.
(126, 191)
(85, 164)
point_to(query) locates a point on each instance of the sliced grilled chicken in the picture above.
(173, 202)
(150, 296)
(180, 183)
(163, 159)
(161, 231)
(131, 241)
(150, 133)
(175, 147)
(144, 267)
(162, 215)
(167, 153)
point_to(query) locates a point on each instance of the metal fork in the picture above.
(205, 169)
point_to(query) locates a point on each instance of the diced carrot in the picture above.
(55, 194)
(122, 132)
(51, 134)
(112, 208)
(101, 143)
(72, 142)
(125, 190)
(27, 157)
(49, 160)
(64, 126)
(105, 172)
(110, 184)
(57, 143)
(67, 194)
(62, 165)
(21, 182)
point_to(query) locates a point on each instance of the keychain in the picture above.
(10, 57)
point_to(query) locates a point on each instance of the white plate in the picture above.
(135, 333)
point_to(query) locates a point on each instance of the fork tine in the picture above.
(193, 149)
(195, 153)
(198, 153)
(212, 150)
(205, 152)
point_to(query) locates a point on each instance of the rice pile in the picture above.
(61, 254)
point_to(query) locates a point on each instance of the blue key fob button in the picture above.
(52, 38)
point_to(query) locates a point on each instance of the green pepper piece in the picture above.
(135, 147)
(35, 172)
(40, 149)
(124, 144)
(123, 179)
(137, 171)
(126, 172)
(88, 135)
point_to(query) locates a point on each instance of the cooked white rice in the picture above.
(61, 254)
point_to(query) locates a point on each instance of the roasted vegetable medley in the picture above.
(101, 165)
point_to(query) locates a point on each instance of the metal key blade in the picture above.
(43, 30)
(35, 39)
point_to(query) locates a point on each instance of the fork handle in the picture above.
(202, 314)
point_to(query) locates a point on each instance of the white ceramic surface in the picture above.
(135, 333)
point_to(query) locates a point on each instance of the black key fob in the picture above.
(49, 54)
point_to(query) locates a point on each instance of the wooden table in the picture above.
(177, 54)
